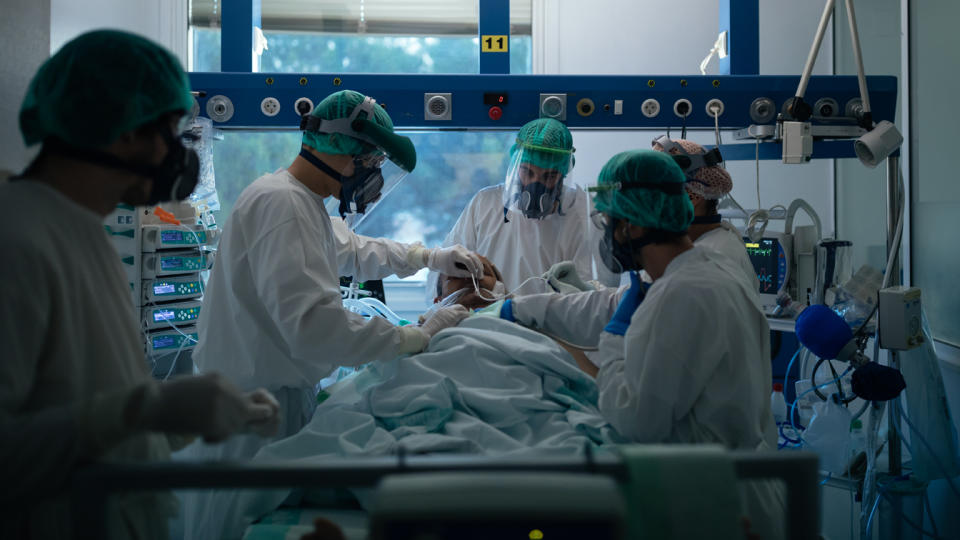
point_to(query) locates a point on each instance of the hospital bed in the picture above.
(797, 470)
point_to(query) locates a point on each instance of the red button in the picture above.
(495, 113)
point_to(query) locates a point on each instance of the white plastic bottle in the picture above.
(778, 405)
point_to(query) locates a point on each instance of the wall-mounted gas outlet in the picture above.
(682, 107)
(826, 107)
(553, 106)
(714, 108)
(650, 108)
(763, 110)
(220, 108)
(270, 106)
(303, 106)
(437, 106)
(585, 107)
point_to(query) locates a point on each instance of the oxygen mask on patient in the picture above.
(449, 300)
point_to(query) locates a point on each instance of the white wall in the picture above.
(861, 191)
(24, 40)
(31, 29)
(671, 38)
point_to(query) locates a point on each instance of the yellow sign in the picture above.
(490, 43)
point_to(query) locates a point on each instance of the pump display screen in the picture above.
(171, 236)
(163, 315)
(164, 288)
(171, 263)
(162, 342)
(769, 262)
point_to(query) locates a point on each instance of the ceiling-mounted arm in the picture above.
(866, 117)
(799, 109)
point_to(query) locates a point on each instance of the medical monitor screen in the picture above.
(769, 262)
(171, 236)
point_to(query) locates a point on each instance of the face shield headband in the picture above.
(398, 149)
(174, 179)
(690, 163)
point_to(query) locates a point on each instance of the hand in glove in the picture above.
(628, 304)
(444, 318)
(210, 406)
(564, 279)
(455, 261)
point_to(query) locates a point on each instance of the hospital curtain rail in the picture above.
(93, 484)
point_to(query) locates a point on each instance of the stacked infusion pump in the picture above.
(163, 262)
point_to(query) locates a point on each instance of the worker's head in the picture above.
(490, 284)
(350, 138)
(540, 159)
(119, 101)
(639, 200)
(707, 181)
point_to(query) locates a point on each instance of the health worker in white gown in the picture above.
(536, 218)
(706, 183)
(272, 313)
(75, 387)
(686, 359)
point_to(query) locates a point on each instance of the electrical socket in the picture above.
(270, 106)
(650, 108)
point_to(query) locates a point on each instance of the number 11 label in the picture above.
(490, 43)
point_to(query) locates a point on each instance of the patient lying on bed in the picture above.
(487, 386)
(459, 290)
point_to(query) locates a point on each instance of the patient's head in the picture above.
(447, 285)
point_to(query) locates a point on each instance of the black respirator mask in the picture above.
(174, 179)
(536, 200)
(177, 175)
(358, 190)
(619, 257)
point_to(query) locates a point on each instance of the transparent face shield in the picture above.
(373, 179)
(535, 178)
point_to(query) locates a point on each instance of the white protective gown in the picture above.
(564, 315)
(727, 240)
(524, 247)
(72, 357)
(694, 367)
(272, 314)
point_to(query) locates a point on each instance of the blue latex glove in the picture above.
(628, 304)
(506, 311)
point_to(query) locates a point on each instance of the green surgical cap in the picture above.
(547, 134)
(341, 105)
(642, 207)
(100, 85)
